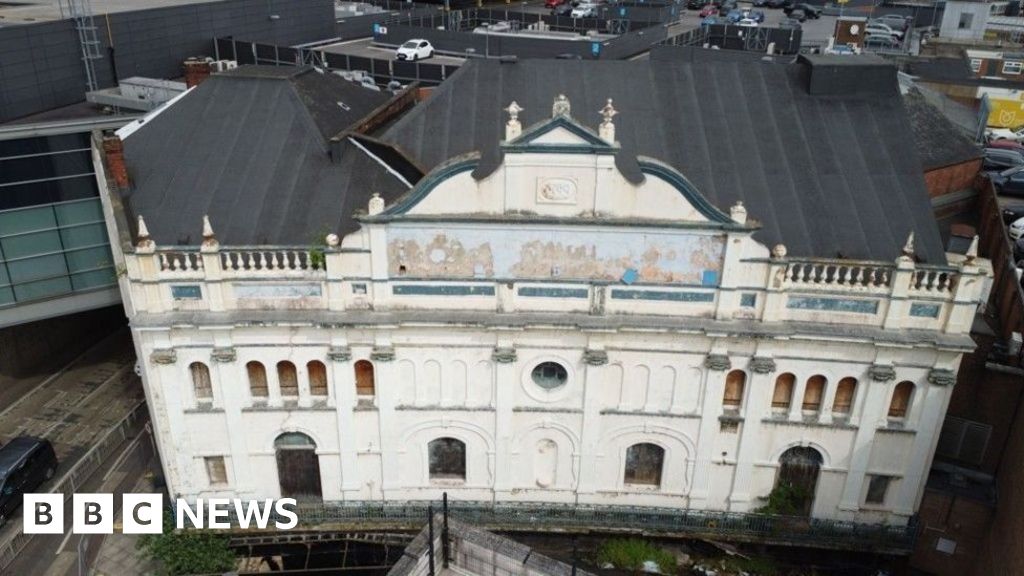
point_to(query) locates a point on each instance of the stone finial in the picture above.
(332, 240)
(738, 213)
(607, 129)
(779, 251)
(209, 239)
(972, 251)
(376, 204)
(908, 248)
(513, 128)
(144, 242)
(560, 107)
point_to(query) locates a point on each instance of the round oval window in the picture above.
(549, 375)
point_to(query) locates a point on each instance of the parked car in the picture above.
(798, 15)
(1016, 229)
(1000, 159)
(812, 12)
(25, 463)
(1009, 181)
(748, 23)
(554, 3)
(760, 3)
(713, 19)
(734, 16)
(1013, 213)
(709, 10)
(584, 10)
(1006, 145)
(779, 4)
(755, 15)
(880, 29)
(413, 50)
(1005, 134)
(694, 4)
(882, 41)
(563, 9)
(894, 21)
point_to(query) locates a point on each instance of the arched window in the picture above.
(365, 385)
(201, 381)
(257, 379)
(901, 398)
(643, 464)
(734, 383)
(298, 466)
(447, 459)
(317, 378)
(288, 379)
(845, 391)
(814, 392)
(783, 395)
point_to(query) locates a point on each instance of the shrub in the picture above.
(631, 553)
(188, 551)
(785, 499)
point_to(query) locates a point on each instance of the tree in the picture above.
(188, 551)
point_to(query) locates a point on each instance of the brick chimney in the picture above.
(113, 150)
(196, 71)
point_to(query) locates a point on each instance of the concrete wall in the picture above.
(41, 66)
(977, 12)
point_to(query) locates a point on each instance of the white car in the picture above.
(1016, 229)
(877, 28)
(1005, 134)
(415, 49)
(748, 22)
(584, 10)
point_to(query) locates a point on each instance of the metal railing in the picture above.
(542, 517)
(79, 473)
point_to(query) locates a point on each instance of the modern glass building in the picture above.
(54, 251)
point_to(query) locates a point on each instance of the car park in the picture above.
(790, 23)
(894, 21)
(554, 3)
(798, 15)
(25, 463)
(584, 10)
(413, 50)
(1000, 159)
(563, 9)
(1005, 134)
(694, 4)
(748, 23)
(755, 15)
(779, 4)
(760, 3)
(1012, 213)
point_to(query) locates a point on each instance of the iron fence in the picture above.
(542, 517)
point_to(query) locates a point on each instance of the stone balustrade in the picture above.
(264, 262)
(833, 275)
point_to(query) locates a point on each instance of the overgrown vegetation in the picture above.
(785, 499)
(188, 551)
(630, 554)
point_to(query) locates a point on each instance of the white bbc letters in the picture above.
(142, 514)
(93, 514)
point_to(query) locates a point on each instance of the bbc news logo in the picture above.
(144, 513)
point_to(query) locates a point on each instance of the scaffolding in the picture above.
(80, 12)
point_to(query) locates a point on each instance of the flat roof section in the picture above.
(16, 12)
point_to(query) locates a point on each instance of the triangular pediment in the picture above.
(558, 132)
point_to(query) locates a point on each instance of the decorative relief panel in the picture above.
(556, 191)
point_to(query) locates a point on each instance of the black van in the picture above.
(25, 463)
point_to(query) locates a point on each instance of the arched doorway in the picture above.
(298, 467)
(798, 474)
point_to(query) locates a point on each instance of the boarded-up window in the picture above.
(288, 378)
(216, 471)
(201, 381)
(783, 395)
(845, 391)
(734, 383)
(447, 459)
(643, 464)
(364, 378)
(901, 400)
(814, 392)
(257, 379)
(877, 487)
(963, 440)
(317, 378)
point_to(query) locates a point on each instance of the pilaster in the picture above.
(872, 416)
(713, 385)
(505, 362)
(593, 361)
(339, 366)
(756, 405)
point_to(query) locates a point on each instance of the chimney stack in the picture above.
(196, 71)
(113, 150)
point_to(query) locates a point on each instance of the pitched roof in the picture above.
(939, 142)
(826, 174)
(250, 148)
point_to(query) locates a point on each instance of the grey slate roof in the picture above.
(940, 143)
(249, 148)
(828, 175)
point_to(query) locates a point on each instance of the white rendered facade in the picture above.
(647, 296)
